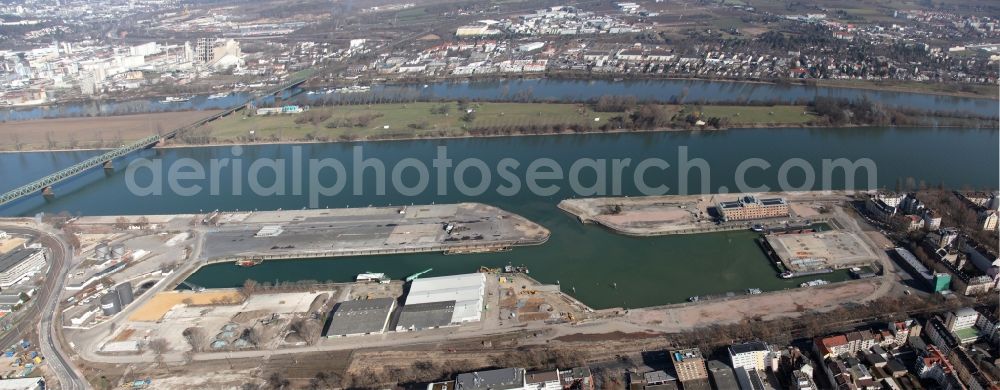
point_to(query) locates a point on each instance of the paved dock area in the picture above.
(346, 232)
(688, 214)
(287, 234)
(815, 251)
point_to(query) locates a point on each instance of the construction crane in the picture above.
(417, 275)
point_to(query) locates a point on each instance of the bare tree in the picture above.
(16, 140)
(71, 237)
(249, 287)
(277, 381)
(50, 141)
(122, 223)
(117, 140)
(159, 346)
(308, 330)
(252, 336)
(196, 336)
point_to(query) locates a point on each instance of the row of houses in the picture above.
(519, 379)
(871, 359)
(751, 367)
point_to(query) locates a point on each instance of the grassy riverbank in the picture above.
(414, 120)
(956, 90)
(454, 119)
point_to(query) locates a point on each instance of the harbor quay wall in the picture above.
(877, 279)
(645, 232)
(484, 247)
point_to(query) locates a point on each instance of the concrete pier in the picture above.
(464, 227)
(297, 234)
(692, 214)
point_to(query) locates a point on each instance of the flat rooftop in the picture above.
(504, 378)
(425, 315)
(722, 375)
(685, 354)
(537, 377)
(465, 290)
(364, 316)
(750, 346)
(967, 333)
(832, 249)
(772, 201)
(11, 259)
(657, 377)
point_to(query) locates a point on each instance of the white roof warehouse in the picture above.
(466, 290)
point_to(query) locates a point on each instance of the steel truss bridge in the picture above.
(45, 184)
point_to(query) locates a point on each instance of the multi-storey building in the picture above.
(934, 365)
(850, 343)
(803, 381)
(752, 355)
(963, 318)
(749, 207)
(543, 380)
(902, 330)
(689, 364)
(18, 264)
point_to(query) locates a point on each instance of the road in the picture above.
(92, 339)
(46, 300)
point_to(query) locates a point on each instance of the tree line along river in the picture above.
(682, 91)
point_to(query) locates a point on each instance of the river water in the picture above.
(585, 260)
(687, 91)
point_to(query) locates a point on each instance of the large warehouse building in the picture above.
(443, 301)
(360, 317)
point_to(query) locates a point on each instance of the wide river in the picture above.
(686, 91)
(585, 260)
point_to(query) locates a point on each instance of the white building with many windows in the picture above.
(752, 355)
(19, 264)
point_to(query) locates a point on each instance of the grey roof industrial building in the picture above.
(722, 375)
(360, 317)
(425, 315)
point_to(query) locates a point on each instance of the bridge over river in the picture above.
(44, 185)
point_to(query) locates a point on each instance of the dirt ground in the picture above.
(675, 214)
(223, 374)
(10, 244)
(766, 306)
(164, 301)
(95, 132)
(523, 300)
